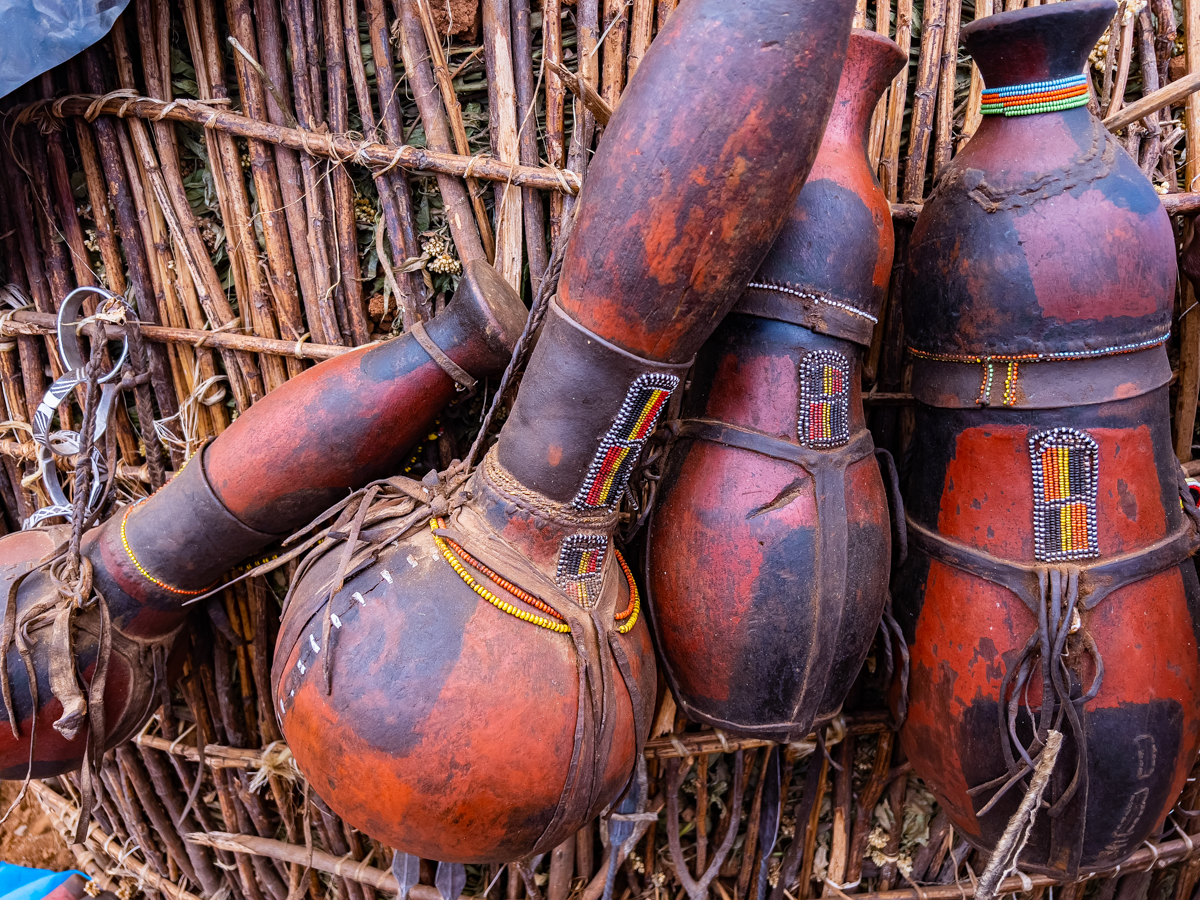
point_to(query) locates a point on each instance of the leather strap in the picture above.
(1096, 580)
(449, 366)
(860, 445)
(810, 308)
(1039, 384)
(828, 470)
(592, 632)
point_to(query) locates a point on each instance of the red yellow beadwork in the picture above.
(613, 463)
(824, 399)
(142, 569)
(1066, 483)
(449, 547)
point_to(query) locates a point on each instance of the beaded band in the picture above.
(133, 559)
(1012, 362)
(444, 545)
(814, 297)
(1039, 97)
(630, 616)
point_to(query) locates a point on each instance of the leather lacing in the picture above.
(1056, 594)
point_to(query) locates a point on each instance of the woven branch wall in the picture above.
(273, 182)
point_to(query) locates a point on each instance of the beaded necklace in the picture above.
(1038, 97)
(449, 548)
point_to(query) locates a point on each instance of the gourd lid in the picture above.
(1037, 44)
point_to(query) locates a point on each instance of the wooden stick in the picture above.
(166, 789)
(417, 68)
(55, 258)
(287, 162)
(21, 209)
(944, 141)
(641, 26)
(933, 28)
(531, 200)
(27, 322)
(316, 859)
(615, 28)
(72, 233)
(839, 845)
(133, 770)
(226, 167)
(664, 10)
(585, 839)
(883, 25)
(868, 799)
(562, 866)
(288, 318)
(897, 100)
(1124, 58)
(322, 315)
(1189, 327)
(345, 227)
(167, 185)
(331, 833)
(66, 813)
(1173, 93)
(594, 103)
(120, 796)
(974, 115)
(896, 796)
(1152, 147)
(552, 54)
(813, 803)
(394, 189)
(457, 127)
(29, 353)
(750, 839)
(502, 112)
(146, 252)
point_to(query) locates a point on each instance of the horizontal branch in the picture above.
(338, 147)
(1173, 93)
(1149, 857)
(341, 866)
(28, 322)
(215, 756)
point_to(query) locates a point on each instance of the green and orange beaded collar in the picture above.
(1039, 97)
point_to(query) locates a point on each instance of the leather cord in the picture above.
(449, 366)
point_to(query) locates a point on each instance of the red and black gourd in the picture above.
(331, 429)
(490, 669)
(1048, 584)
(769, 545)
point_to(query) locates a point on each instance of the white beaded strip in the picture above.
(812, 295)
(1060, 355)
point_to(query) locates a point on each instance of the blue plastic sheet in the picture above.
(20, 883)
(37, 35)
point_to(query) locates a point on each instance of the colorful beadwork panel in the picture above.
(619, 451)
(581, 567)
(1066, 482)
(824, 400)
(1038, 97)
